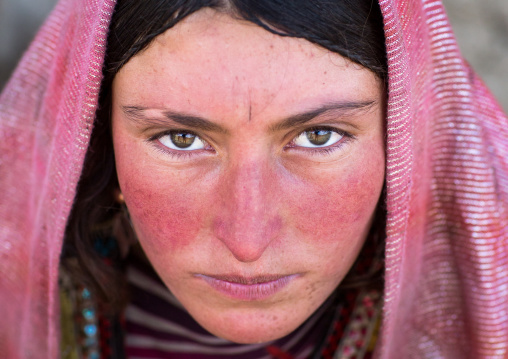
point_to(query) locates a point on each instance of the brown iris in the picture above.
(182, 139)
(318, 137)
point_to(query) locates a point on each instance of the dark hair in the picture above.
(351, 28)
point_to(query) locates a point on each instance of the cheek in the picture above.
(330, 206)
(166, 211)
(163, 218)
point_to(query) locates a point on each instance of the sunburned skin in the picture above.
(250, 228)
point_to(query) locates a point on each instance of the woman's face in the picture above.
(251, 165)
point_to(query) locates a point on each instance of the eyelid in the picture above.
(183, 130)
(346, 137)
(320, 127)
(330, 138)
(168, 132)
(177, 153)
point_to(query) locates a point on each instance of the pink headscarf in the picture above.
(446, 292)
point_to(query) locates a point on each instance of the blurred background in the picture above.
(481, 27)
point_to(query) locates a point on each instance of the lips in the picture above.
(248, 288)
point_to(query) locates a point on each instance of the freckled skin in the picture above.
(252, 205)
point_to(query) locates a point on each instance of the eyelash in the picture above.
(173, 153)
(323, 150)
(311, 150)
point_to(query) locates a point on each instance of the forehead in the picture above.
(213, 65)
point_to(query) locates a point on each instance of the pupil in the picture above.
(318, 137)
(182, 139)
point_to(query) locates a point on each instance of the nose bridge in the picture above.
(247, 188)
(248, 221)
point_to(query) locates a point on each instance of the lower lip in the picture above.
(248, 292)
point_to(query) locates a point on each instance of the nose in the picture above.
(248, 219)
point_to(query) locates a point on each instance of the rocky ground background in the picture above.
(481, 27)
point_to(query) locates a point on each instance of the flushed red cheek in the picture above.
(335, 211)
(163, 217)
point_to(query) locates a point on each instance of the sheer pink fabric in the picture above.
(447, 175)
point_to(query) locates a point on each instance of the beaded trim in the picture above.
(79, 321)
(360, 336)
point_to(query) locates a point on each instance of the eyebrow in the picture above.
(136, 114)
(339, 109)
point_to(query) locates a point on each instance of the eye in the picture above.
(182, 141)
(318, 137)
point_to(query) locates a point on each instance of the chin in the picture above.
(250, 326)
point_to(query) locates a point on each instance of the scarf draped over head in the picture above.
(446, 282)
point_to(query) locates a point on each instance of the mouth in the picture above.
(248, 288)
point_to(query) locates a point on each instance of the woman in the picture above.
(445, 292)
